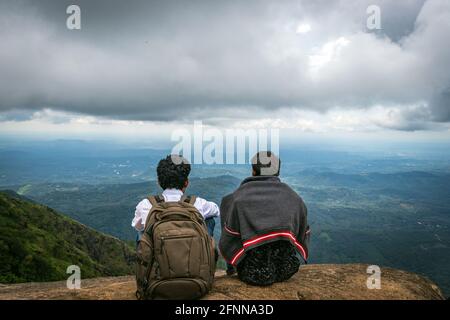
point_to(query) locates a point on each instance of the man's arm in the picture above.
(230, 240)
(208, 209)
(304, 231)
(230, 222)
(140, 214)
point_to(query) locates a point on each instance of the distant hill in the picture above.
(110, 208)
(38, 244)
(417, 185)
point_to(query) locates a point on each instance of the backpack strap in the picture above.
(188, 199)
(155, 200)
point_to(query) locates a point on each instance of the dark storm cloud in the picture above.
(166, 60)
(441, 106)
(398, 17)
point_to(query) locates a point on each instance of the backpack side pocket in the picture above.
(144, 255)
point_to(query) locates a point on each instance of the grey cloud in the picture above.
(441, 106)
(15, 115)
(170, 60)
(397, 17)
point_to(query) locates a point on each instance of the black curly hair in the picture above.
(173, 172)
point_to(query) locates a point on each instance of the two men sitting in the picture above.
(264, 232)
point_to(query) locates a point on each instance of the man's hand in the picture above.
(139, 226)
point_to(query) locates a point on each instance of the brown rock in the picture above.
(312, 282)
(337, 282)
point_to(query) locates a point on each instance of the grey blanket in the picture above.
(262, 210)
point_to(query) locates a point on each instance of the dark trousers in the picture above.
(210, 224)
(272, 262)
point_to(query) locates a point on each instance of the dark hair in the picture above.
(173, 172)
(266, 163)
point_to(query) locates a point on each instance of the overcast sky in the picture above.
(311, 66)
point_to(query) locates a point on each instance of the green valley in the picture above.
(38, 244)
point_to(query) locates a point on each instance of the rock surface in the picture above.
(312, 282)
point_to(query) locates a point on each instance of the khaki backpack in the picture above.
(175, 255)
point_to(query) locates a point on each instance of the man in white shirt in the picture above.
(173, 173)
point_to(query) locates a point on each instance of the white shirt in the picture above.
(207, 209)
